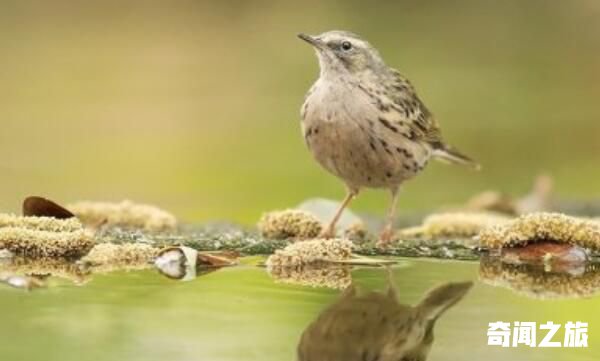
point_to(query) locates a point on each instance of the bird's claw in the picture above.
(327, 233)
(385, 238)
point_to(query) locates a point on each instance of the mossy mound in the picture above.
(289, 223)
(536, 227)
(42, 237)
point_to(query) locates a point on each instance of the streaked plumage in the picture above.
(364, 122)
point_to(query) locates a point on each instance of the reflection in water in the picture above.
(325, 276)
(375, 326)
(44, 268)
(22, 282)
(536, 281)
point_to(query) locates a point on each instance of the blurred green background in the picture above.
(194, 105)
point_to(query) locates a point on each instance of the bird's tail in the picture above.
(442, 298)
(451, 155)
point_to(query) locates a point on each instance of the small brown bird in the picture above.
(364, 123)
(375, 326)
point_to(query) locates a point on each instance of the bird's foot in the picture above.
(385, 237)
(327, 233)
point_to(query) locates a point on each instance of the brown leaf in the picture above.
(216, 259)
(42, 207)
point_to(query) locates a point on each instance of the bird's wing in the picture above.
(403, 109)
(407, 110)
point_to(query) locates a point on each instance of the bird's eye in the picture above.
(346, 45)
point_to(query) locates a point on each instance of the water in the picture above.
(241, 313)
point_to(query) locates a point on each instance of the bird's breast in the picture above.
(340, 127)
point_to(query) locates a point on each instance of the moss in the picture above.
(42, 237)
(40, 223)
(534, 282)
(357, 232)
(124, 214)
(128, 254)
(460, 224)
(323, 277)
(290, 223)
(311, 253)
(535, 227)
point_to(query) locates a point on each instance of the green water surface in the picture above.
(241, 313)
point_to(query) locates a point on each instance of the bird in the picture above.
(364, 123)
(376, 326)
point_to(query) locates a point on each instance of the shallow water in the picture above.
(241, 313)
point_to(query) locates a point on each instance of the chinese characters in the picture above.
(519, 333)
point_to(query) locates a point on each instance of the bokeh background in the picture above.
(194, 105)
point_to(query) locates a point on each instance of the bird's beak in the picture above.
(317, 43)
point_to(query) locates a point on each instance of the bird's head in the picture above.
(342, 52)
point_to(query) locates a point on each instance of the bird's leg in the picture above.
(388, 230)
(392, 290)
(329, 231)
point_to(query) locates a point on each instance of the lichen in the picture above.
(356, 232)
(337, 278)
(311, 253)
(289, 223)
(535, 227)
(459, 224)
(120, 254)
(124, 214)
(534, 282)
(40, 223)
(42, 237)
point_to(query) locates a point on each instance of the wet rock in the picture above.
(451, 248)
(547, 253)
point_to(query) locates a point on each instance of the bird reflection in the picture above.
(376, 327)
